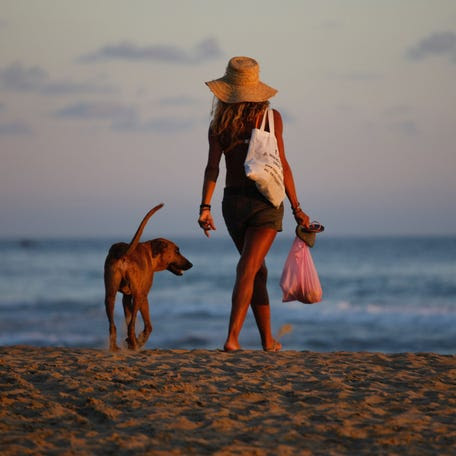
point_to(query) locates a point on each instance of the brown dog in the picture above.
(129, 269)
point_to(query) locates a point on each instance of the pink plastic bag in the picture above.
(300, 280)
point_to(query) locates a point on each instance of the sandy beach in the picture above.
(179, 402)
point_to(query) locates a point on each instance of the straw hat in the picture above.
(241, 82)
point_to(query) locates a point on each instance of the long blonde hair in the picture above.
(232, 120)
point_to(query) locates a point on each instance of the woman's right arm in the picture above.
(205, 221)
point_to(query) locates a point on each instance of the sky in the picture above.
(104, 112)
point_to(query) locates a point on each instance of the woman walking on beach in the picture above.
(252, 221)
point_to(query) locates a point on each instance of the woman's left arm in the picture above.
(300, 216)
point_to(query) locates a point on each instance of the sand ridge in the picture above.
(89, 401)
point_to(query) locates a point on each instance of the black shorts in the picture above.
(245, 207)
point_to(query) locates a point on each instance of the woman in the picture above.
(253, 222)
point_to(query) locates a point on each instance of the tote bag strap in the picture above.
(263, 122)
(270, 115)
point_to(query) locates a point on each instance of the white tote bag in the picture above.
(263, 164)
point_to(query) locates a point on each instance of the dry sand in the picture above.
(173, 402)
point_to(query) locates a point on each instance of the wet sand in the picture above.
(179, 402)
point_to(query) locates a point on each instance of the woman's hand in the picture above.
(206, 222)
(301, 217)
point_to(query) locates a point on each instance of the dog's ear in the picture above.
(158, 247)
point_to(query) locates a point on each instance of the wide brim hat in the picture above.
(241, 83)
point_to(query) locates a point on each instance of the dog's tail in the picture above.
(134, 242)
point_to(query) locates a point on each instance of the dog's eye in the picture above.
(177, 251)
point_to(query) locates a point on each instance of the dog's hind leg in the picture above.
(127, 303)
(144, 336)
(110, 300)
(111, 287)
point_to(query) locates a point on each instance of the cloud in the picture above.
(437, 44)
(17, 77)
(98, 110)
(124, 118)
(69, 87)
(14, 128)
(163, 125)
(206, 50)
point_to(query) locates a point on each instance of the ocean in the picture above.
(383, 294)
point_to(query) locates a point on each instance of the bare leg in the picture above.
(260, 304)
(257, 242)
(262, 310)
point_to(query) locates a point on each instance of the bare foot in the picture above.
(230, 347)
(274, 347)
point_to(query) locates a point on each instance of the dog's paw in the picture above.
(132, 345)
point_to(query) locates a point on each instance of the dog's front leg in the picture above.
(144, 336)
(131, 337)
(138, 302)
